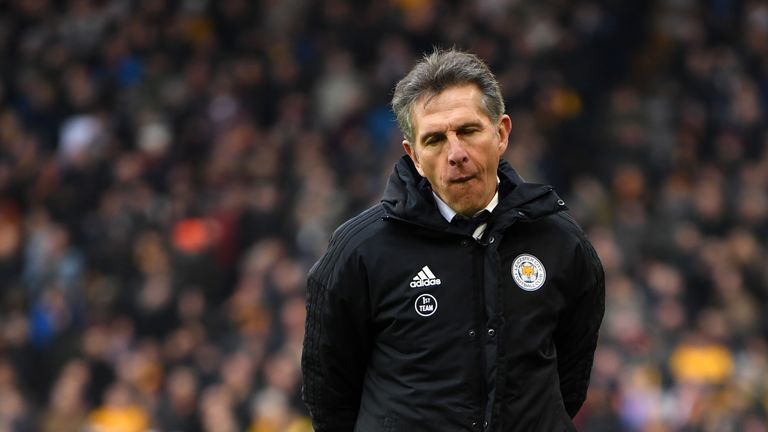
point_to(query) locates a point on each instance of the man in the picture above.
(419, 323)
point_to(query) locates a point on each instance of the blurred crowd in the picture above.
(170, 169)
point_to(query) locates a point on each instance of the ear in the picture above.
(412, 153)
(504, 129)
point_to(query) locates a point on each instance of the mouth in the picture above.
(462, 179)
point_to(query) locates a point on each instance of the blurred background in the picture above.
(170, 169)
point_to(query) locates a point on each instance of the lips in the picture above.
(462, 179)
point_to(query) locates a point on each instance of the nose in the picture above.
(457, 154)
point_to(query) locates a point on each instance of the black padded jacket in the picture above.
(413, 326)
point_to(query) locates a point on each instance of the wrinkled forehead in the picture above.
(453, 103)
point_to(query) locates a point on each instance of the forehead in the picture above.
(454, 104)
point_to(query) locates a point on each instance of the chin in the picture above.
(467, 202)
(467, 209)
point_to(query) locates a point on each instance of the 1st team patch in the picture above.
(528, 272)
(426, 305)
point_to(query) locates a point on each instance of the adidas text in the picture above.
(423, 283)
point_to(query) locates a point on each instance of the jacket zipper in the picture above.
(479, 284)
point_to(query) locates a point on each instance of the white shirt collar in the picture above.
(448, 213)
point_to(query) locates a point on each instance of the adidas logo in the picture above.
(425, 277)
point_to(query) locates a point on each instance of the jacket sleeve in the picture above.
(337, 341)
(578, 326)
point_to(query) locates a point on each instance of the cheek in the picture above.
(428, 163)
(428, 170)
(420, 169)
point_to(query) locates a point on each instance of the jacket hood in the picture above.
(408, 196)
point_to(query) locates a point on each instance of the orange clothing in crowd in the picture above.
(703, 364)
(119, 419)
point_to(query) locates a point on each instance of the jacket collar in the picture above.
(408, 196)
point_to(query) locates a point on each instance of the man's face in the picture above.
(457, 147)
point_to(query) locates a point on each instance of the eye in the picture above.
(433, 139)
(468, 130)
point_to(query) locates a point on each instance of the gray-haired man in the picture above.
(467, 299)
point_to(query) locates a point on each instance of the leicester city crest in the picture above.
(528, 272)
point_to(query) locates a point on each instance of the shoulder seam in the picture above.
(344, 234)
(572, 222)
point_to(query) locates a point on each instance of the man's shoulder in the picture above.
(562, 225)
(574, 234)
(347, 240)
(359, 227)
(568, 223)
